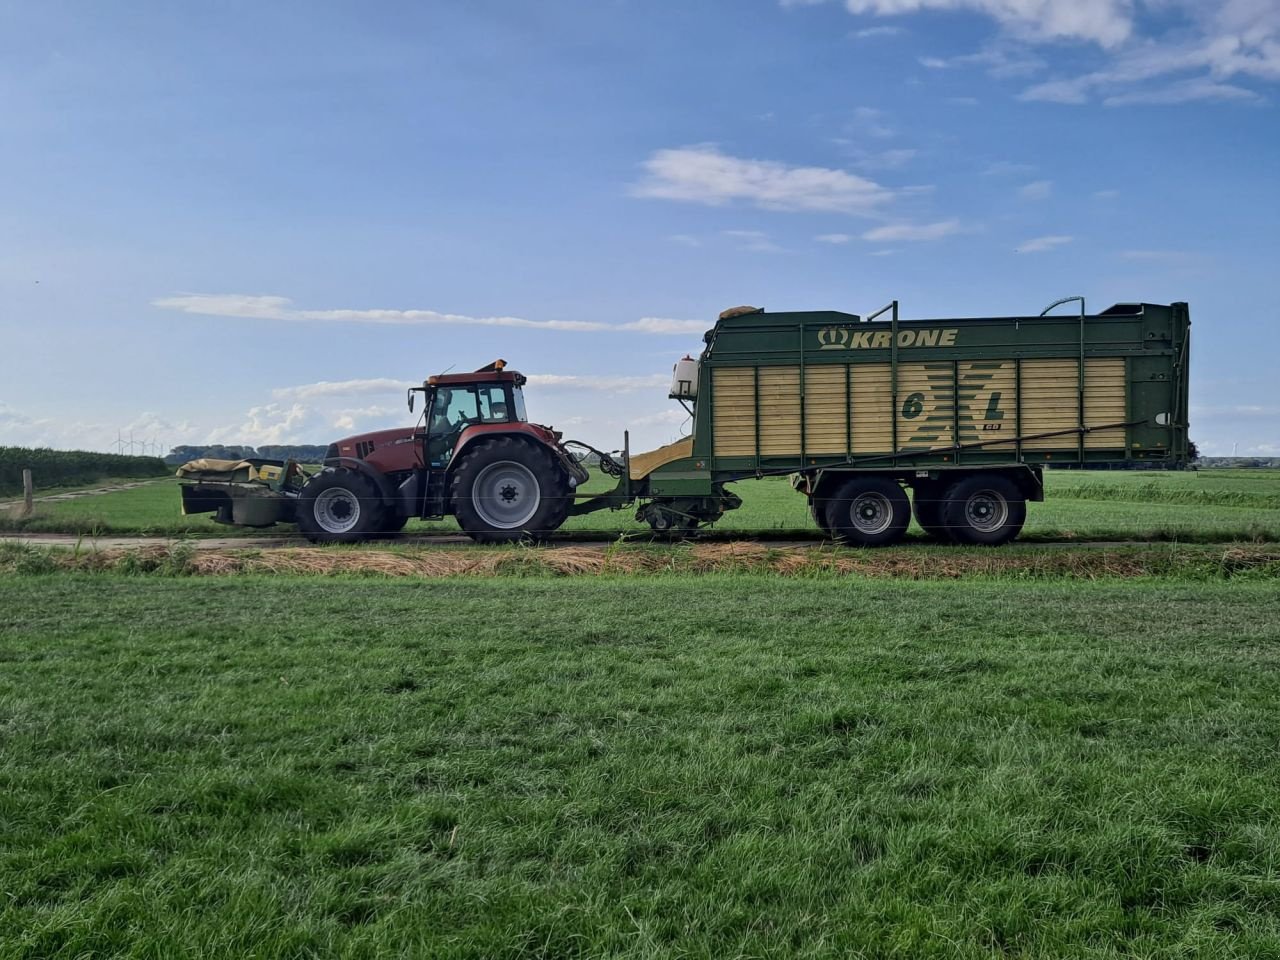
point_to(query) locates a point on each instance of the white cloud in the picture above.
(613, 384)
(885, 159)
(1186, 91)
(343, 388)
(1199, 44)
(703, 174)
(755, 241)
(1000, 60)
(673, 416)
(870, 121)
(913, 231)
(1235, 410)
(251, 307)
(371, 417)
(868, 32)
(311, 412)
(1042, 244)
(150, 431)
(665, 325)
(1105, 194)
(1058, 91)
(833, 238)
(21, 429)
(11, 419)
(383, 386)
(1215, 41)
(1106, 22)
(1036, 190)
(270, 423)
(883, 253)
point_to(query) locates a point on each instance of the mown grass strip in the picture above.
(1174, 561)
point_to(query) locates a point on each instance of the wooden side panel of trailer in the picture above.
(835, 409)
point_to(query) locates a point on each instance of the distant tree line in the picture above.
(302, 452)
(1252, 463)
(52, 468)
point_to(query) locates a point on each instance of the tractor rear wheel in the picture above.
(869, 511)
(986, 509)
(339, 506)
(507, 489)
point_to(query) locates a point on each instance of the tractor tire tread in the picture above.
(371, 508)
(553, 483)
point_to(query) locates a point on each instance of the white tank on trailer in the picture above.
(684, 379)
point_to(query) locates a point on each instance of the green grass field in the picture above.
(716, 766)
(1207, 505)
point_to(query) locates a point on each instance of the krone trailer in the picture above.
(962, 414)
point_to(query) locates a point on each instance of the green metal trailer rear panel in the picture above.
(795, 391)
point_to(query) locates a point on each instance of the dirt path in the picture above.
(207, 543)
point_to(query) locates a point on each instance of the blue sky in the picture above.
(248, 222)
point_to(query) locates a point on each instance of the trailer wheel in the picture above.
(339, 506)
(818, 512)
(926, 504)
(869, 512)
(985, 509)
(507, 489)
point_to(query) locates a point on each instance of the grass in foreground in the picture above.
(712, 767)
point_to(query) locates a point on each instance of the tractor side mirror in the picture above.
(409, 395)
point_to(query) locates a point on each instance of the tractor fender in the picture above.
(531, 433)
(380, 480)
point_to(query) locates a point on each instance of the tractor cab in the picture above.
(490, 396)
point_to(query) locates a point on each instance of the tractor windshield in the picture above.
(457, 407)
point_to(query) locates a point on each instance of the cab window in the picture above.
(493, 403)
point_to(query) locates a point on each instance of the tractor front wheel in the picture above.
(508, 489)
(339, 506)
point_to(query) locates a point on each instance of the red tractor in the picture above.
(473, 455)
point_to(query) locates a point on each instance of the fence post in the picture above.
(28, 491)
